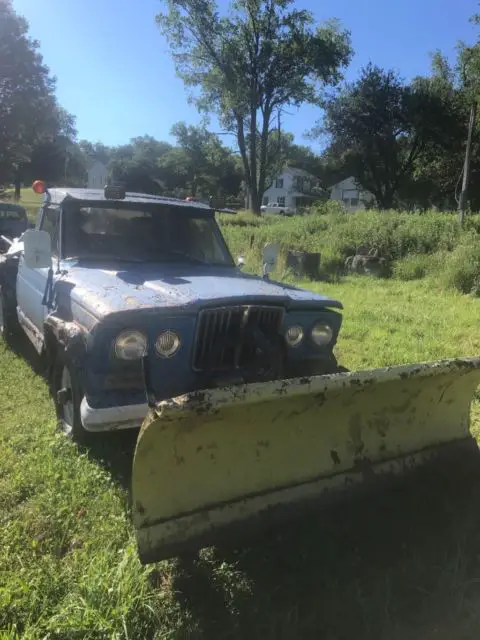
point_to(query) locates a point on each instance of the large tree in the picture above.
(207, 164)
(380, 127)
(248, 66)
(29, 114)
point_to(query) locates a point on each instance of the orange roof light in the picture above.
(39, 186)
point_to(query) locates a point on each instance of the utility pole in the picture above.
(462, 202)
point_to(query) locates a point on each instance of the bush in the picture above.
(417, 266)
(417, 245)
(461, 269)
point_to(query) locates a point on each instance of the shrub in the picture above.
(461, 268)
(417, 266)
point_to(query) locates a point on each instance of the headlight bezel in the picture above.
(301, 337)
(330, 333)
(117, 348)
(170, 354)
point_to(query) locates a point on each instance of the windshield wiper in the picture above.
(182, 254)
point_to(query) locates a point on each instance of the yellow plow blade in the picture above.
(214, 463)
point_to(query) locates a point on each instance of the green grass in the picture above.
(28, 199)
(395, 567)
(415, 246)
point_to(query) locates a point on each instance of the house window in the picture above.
(354, 202)
(279, 183)
(265, 200)
(281, 200)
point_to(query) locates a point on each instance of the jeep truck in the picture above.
(131, 298)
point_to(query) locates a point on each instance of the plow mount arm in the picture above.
(214, 463)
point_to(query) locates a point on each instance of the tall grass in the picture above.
(416, 245)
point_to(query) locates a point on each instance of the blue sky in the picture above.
(115, 74)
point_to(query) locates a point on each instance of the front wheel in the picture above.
(67, 395)
(9, 325)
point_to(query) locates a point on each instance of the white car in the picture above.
(274, 207)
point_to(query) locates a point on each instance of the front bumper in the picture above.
(112, 418)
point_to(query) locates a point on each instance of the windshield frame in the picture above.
(68, 208)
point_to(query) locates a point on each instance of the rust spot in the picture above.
(263, 443)
(199, 448)
(140, 508)
(335, 457)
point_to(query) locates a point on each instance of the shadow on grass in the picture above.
(402, 564)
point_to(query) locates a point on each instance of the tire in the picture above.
(9, 325)
(67, 396)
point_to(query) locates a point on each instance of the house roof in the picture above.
(300, 173)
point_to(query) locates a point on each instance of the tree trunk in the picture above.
(262, 173)
(462, 203)
(253, 162)
(17, 183)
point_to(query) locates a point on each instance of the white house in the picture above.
(351, 194)
(292, 188)
(97, 175)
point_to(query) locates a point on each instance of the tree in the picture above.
(207, 164)
(137, 164)
(29, 114)
(380, 127)
(248, 66)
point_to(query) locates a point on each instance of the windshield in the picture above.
(159, 234)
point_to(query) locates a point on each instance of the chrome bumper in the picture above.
(112, 418)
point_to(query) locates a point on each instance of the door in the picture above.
(32, 283)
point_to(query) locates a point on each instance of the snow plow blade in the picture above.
(212, 465)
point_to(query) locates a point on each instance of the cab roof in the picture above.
(59, 195)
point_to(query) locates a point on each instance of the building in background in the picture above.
(292, 189)
(97, 175)
(349, 192)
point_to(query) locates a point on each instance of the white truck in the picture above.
(275, 208)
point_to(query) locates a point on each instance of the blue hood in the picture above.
(104, 291)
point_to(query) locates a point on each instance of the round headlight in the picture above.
(322, 334)
(294, 335)
(131, 345)
(167, 344)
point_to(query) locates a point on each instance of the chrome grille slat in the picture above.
(215, 324)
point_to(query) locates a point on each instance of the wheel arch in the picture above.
(66, 337)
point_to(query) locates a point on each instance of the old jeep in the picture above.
(131, 299)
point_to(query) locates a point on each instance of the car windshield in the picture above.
(153, 234)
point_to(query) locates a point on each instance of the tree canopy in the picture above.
(29, 114)
(247, 66)
(381, 128)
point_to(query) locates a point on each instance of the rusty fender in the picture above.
(208, 462)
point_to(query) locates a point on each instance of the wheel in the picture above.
(67, 395)
(9, 325)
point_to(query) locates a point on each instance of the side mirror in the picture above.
(37, 250)
(240, 261)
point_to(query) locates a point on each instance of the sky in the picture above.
(115, 74)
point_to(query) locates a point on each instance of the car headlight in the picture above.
(294, 335)
(131, 345)
(322, 334)
(167, 344)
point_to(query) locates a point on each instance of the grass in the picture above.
(400, 566)
(415, 246)
(28, 199)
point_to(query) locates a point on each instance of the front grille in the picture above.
(218, 346)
